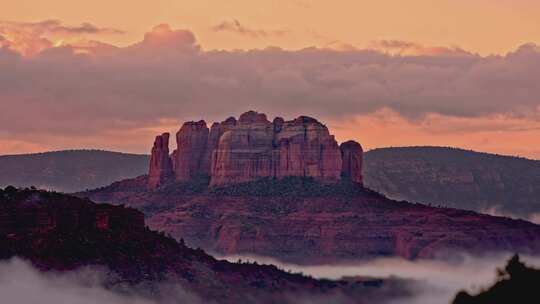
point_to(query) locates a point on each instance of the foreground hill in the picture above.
(70, 171)
(63, 233)
(516, 283)
(303, 221)
(456, 178)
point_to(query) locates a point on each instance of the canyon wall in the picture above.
(252, 147)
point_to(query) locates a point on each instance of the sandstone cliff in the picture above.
(352, 158)
(161, 169)
(191, 140)
(252, 147)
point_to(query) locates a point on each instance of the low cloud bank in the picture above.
(21, 283)
(436, 281)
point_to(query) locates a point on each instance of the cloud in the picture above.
(401, 47)
(60, 95)
(30, 38)
(234, 26)
(434, 281)
(21, 283)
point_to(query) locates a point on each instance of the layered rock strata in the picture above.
(252, 147)
(161, 169)
(352, 156)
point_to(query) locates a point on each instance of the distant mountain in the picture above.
(63, 233)
(456, 178)
(70, 171)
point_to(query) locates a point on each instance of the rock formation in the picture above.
(253, 147)
(306, 148)
(191, 140)
(161, 169)
(352, 156)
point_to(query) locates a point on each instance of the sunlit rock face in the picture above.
(252, 147)
(191, 140)
(161, 169)
(256, 148)
(306, 148)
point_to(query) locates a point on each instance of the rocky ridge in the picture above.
(252, 147)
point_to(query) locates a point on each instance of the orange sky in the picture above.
(483, 26)
(418, 27)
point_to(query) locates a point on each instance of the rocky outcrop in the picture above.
(191, 140)
(216, 131)
(307, 149)
(352, 156)
(252, 147)
(161, 169)
(244, 153)
(256, 148)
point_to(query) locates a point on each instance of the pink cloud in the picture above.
(63, 95)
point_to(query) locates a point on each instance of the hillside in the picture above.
(70, 171)
(304, 221)
(63, 233)
(456, 178)
(516, 283)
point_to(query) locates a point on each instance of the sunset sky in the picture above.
(112, 74)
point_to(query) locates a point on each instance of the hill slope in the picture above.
(302, 221)
(63, 233)
(70, 171)
(456, 178)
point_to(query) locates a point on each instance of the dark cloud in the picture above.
(168, 77)
(236, 27)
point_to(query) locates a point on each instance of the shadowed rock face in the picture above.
(352, 156)
(161, 170)
(253, 147)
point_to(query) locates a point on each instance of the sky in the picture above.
(113, 74)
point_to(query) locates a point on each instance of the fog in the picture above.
(436, 282)
(21, 283)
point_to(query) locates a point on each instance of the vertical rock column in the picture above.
(191, 140)
(352, 157)
(161, 170)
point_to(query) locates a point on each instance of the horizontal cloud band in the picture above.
(76, 90)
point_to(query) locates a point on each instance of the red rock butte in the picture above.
(252, 147)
